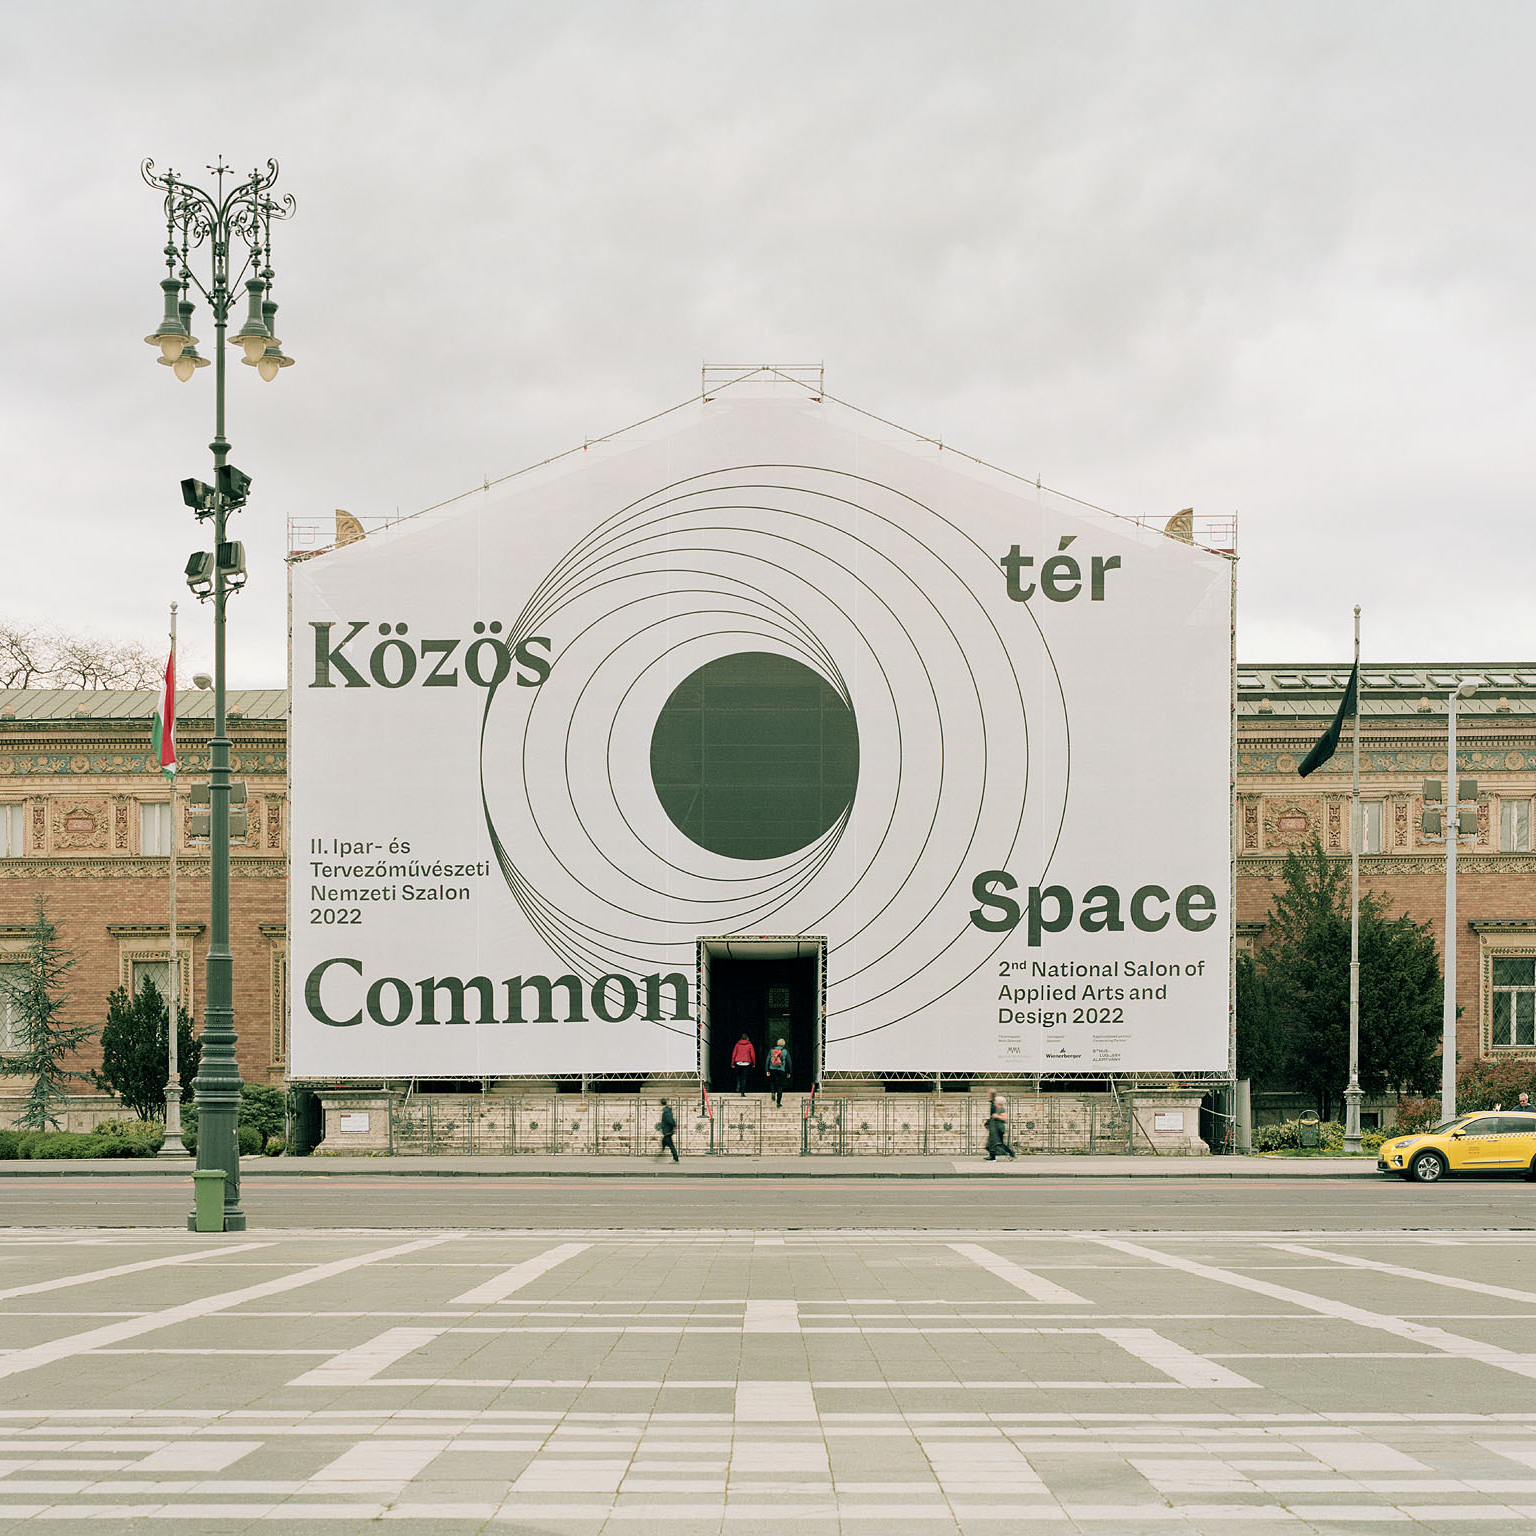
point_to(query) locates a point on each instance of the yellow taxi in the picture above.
(1494, 1141)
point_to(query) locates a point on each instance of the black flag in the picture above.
(1328, 742)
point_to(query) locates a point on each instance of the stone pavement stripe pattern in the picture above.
(1452, 1282)
(499, 1287)
(63, 1282)
(834, 1381)
(20, 1360)
(1521, 1364)
(1033, 1286)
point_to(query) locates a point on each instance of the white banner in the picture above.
(774, 670)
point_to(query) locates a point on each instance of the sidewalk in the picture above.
(721, 1167)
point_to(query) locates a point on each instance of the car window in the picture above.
(1443, 1128)
(1518, 1125)
(1483, 1125)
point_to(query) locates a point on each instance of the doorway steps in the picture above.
(754, 1127)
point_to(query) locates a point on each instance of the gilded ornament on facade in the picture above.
(80, 824)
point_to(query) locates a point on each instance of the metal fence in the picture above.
(895, 1125)
(955, 1125)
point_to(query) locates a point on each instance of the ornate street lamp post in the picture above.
(223, 226)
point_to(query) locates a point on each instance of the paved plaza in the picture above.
(713, 1380)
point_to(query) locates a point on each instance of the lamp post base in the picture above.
(1352, 1097)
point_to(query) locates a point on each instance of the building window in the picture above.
(147, 957)
(157, 971)
(1371, 822)
(154, 828)
(1514, 826)
(1514, 1002)
(13, 831)
(13, 1038)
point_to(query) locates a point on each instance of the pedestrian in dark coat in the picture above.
(997, 1128)
(668, 1130)
(778, 1071)
(743, 1058)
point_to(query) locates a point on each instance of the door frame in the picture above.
(761, 946)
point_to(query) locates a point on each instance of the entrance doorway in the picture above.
(766, 989)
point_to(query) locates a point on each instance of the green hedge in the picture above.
(135, 1138)
(276, 1146)
(1286, 1137)
(112, 1138)
(263, 1115)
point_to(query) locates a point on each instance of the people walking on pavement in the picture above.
(668, 1130)
(743, 1058)
(778, 1071)
(997, 1128)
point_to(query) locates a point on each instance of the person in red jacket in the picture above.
(743, 1058)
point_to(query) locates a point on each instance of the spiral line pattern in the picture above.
(962, 737)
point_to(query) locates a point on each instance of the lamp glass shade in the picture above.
(184, 367)
(267, 367)
(254, 346)
(170, 347)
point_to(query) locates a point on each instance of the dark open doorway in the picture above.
(765, 989)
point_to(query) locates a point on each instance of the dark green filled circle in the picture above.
(755, 756)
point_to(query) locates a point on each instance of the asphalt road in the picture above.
(554, 1203)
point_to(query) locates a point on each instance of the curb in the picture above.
(1194, 1169)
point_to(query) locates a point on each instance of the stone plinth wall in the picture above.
(78, 1112)
(1164, 1121)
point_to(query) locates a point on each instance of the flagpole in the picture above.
(172, 1146)
(1352, 1093)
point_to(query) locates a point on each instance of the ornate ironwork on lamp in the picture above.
(216, 224)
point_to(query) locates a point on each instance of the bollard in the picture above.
(207, 1200)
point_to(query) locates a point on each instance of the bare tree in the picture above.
(87, 661)
(26, 654)
(32, 656)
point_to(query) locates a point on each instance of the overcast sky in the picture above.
(1266, 259)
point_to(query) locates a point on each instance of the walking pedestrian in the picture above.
(997, 1128)
(778, 1072)
(743, 1058)
(668, 1131)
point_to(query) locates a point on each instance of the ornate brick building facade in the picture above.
(1281, 712)
(85, 823)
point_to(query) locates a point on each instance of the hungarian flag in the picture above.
(1328, 742)
(165, 721)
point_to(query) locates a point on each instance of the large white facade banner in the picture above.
(771, 670)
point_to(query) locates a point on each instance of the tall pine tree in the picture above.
(134, 1050)
(1305, 969)
(38, 1000)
